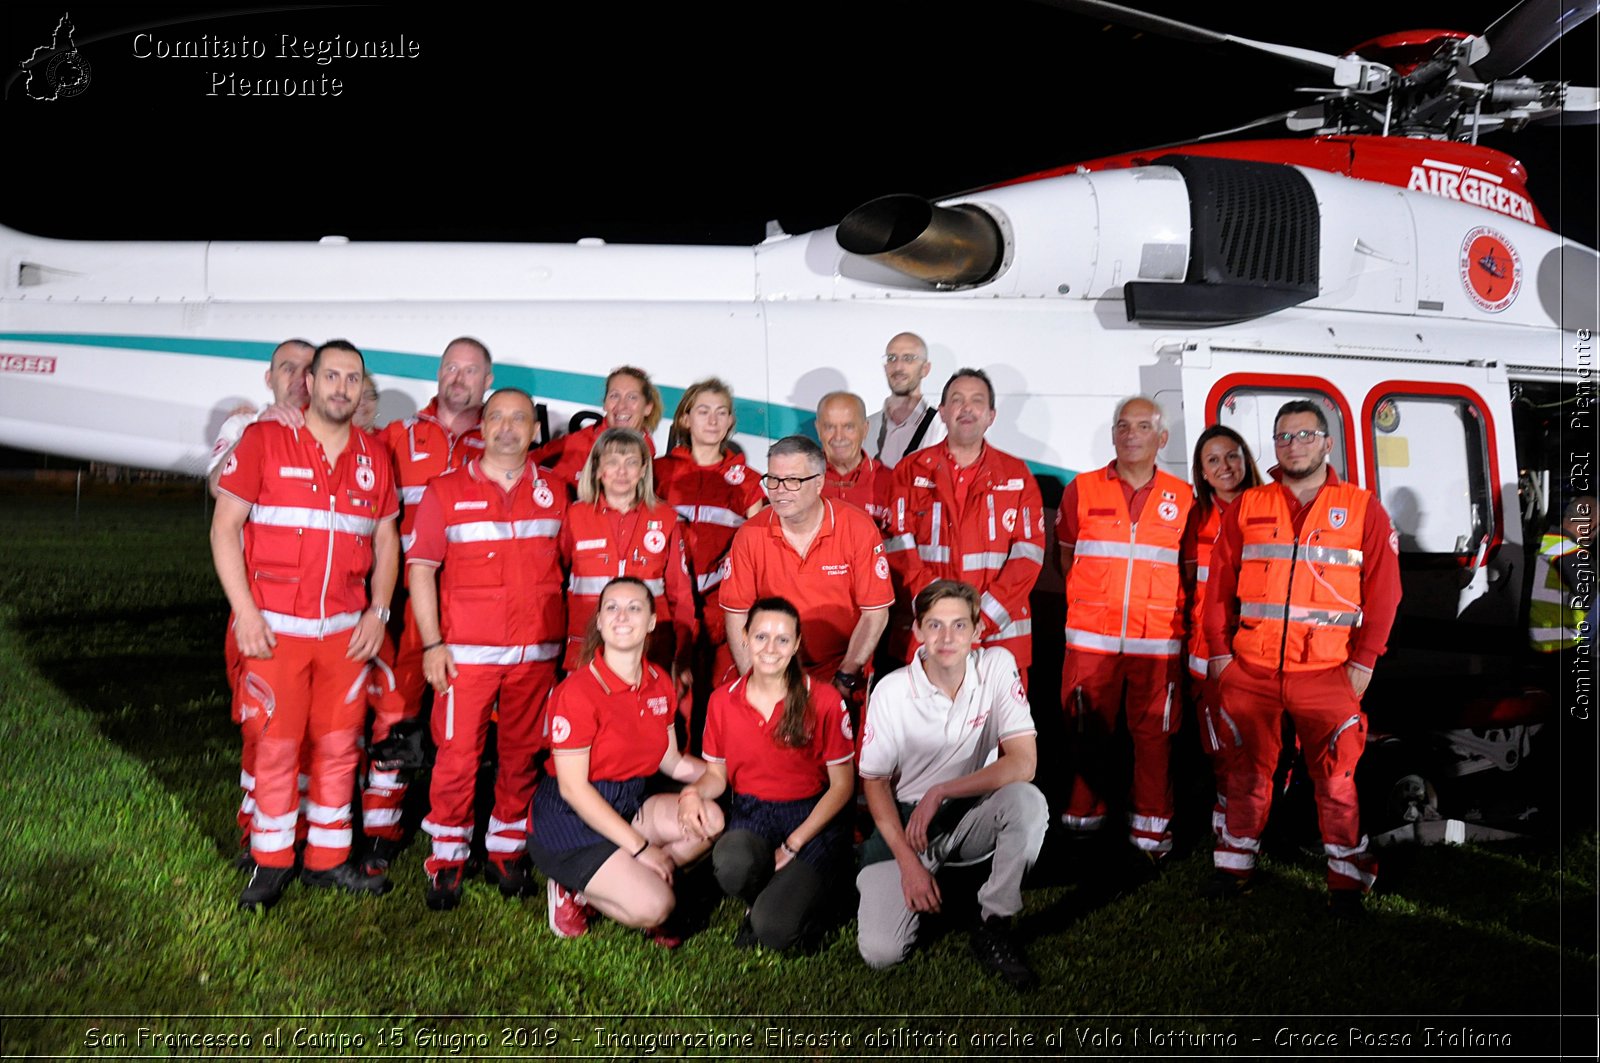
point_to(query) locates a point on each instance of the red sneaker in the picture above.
(663, 936)
(568, 918)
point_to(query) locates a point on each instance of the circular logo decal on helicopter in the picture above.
(1491, 269)
(655, 540)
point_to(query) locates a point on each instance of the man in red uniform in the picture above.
(1120, 529)
(286, 377)
(441, 437)
(852, 476)
(492, 627)
(303, 517)
(1305, 583)
(825, 557)
(963, 510)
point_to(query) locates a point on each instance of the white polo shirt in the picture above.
(916, 733)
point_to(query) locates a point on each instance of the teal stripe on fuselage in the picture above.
(765, 419)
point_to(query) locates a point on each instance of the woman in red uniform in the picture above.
(783, 744)
(594, 835)
(705, 478)
(619, 528)
(1223, 470)
(631, 401)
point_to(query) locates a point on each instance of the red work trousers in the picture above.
(396, 695)
(307, 691)
(1220, 739)
(246, 814)
(1332, 729)
(1144, 690)
(460, 727)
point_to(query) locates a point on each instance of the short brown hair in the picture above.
(941, 589)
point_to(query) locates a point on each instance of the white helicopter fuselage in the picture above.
(134, 352)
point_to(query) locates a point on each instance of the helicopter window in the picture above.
(1250, 411)
(1430, 469)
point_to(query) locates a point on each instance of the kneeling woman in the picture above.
(785, 747)
(601, 843)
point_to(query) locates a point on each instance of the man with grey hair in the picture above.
(1120, 529)
(906, 423)
(825, 557)
(853, 475)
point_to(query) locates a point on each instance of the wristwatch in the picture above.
(850, 681)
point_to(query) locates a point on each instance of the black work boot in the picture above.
(266, 885)
(348, 878)
(994, 946)
(444, 888)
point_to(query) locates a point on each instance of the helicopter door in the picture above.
(1429, 459)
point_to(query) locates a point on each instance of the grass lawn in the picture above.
(118, 766)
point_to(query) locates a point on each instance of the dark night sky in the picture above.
(685, 123)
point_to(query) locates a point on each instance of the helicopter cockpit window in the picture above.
(1250, 411)
(1431, 460)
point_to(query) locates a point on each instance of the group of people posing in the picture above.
(694, 642)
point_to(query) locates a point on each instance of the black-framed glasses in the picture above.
(1305, 435)
(788, 483)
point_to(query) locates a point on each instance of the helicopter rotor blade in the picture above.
(1522, 33)
(1349, 72)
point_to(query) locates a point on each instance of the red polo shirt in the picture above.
(843, 574)
(623, 728)
(761, 766)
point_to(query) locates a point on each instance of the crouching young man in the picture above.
(936, 799)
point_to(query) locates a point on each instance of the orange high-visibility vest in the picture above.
(1123, 593)
(1299, 597)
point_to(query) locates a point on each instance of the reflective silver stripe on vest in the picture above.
(994, 610)
(591, 585)
(1014, 630)
(313, 519)
(658, 587)
(1322, 555)
(407, 542)
(1028, 552)
(1298, 614)
(1088, 640)
(991, 559)
(412, 495)
(1161, 555)
(898, 543)
(489, 531)
(936, 554)
(1202, 573)
(538, 651)
(709, 580)
(720, 515)
(284, 624)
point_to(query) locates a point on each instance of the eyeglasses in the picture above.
(788, 483)
(1305, 435)
(908, 359)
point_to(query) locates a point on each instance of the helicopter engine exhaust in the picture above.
(951, 247)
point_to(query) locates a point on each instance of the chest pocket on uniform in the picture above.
(482, 573)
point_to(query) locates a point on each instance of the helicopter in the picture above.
(1382, 263)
